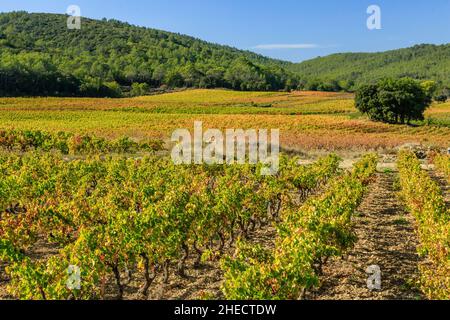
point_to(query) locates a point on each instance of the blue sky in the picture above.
(292, 30)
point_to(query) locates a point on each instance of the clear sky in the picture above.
(292, 30)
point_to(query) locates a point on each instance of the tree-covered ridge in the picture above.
(39, 55)
(348, 70)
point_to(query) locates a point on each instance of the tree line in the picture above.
(348, 71)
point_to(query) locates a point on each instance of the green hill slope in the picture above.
(350, 69)
(39, 55)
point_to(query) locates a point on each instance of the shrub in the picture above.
(393, 101)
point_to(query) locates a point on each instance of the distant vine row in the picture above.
(69, 143)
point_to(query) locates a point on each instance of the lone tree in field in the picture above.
(394, 100)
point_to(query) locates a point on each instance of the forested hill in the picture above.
(39, 55)
(350, 69)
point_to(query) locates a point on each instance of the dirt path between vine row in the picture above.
(386, 238)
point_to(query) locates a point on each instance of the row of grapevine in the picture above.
(424, 199)
(442, 163)
(68, 143)
(116, 214)
(307, 237)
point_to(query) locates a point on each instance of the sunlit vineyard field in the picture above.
(307, 120)
(87, 186)
(121, 220)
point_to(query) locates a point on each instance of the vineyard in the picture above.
(67, 143)
(128, 222)
(252, 176)
(308, 120)
(113, 217)
(92, 207)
